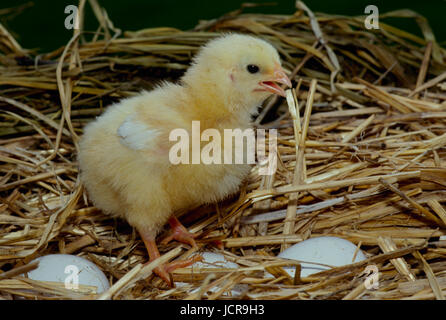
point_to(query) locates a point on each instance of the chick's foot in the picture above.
(180, 233)
(164, 271)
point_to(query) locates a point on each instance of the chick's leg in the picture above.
(180, 233)
(163, 271)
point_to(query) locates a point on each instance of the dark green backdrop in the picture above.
(42, 25)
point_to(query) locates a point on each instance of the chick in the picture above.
(124, 153)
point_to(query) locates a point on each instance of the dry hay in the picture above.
(368, 165)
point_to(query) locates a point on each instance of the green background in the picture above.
(41, 26)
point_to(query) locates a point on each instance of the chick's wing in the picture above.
(140, 136)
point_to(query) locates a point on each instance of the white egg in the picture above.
(213, 260)
(330, 251)
(69, 270)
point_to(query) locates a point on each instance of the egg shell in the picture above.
(52, 268)
(331, 251)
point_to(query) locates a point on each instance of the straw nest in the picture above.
(361, 150)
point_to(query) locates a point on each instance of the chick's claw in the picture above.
(183, 263)
(164, 272)
(180, 233)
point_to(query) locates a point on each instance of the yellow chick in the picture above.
(124, 154)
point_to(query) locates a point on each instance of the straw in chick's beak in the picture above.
(272, 86)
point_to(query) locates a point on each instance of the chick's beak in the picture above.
(272, 86)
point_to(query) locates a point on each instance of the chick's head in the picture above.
(242, 69)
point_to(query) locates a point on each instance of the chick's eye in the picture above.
(252, 68)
